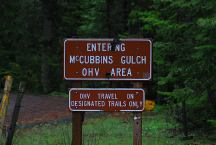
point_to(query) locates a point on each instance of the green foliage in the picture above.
(93, 12)
(184, 52)
(44, 135)
(62, 94)
(2, 140)
(212, 122)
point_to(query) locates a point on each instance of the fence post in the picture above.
(15, 115)
(5, 102)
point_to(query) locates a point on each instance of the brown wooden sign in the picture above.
(105, 59)
(82, 99)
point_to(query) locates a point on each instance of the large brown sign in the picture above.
(82, 99)
(105, 59)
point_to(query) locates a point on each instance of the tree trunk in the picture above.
(184, 116)
(48, 8)
(108, 25)
(212, 99)
(127, 10)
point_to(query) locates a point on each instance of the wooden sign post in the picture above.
(77, 122)
(77, 118)
(108, 60)
(137, 133)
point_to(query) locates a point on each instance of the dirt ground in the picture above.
(41, 109)
(37, 109)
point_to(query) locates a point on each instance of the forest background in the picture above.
(183, 34)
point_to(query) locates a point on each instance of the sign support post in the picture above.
(137, 132)
(77, 128)
(77, 121)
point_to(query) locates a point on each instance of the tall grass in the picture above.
(44, 135)
(2, 140)
(106, 130)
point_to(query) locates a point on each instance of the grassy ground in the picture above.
(108, 130)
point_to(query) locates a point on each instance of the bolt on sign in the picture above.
(106, 59)
(106, 99)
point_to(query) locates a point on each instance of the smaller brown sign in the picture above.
(103, 99)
